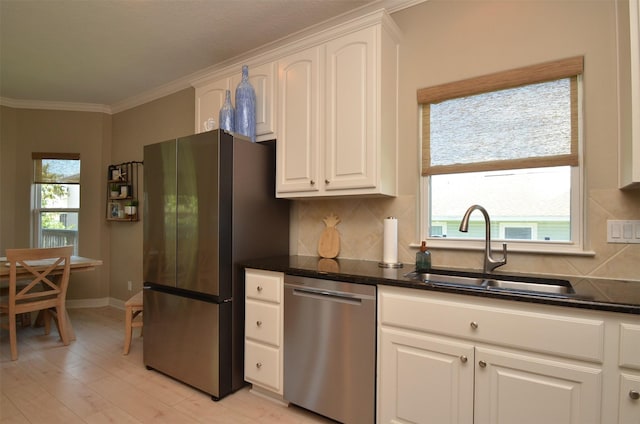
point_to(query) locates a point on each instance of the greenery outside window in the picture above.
(509, 142)
(56, 199)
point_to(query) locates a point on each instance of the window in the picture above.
(509, 142)
(56, 199)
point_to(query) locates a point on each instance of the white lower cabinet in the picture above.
(263, 330)
(520, 388)
(432, 372)
(424, 379)
(629, 363)
(629, 398)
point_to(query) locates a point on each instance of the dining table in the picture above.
(78, 264)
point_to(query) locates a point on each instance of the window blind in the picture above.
(503, 120)
(56, 168)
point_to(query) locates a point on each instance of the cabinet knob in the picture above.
(259, 365)
(259, 288)
(327, 181)
(312, 182)
(474, 325)
(463, 359)
(482, 364)
(259, 323)
(634, 394)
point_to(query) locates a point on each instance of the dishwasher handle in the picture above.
(327, 295)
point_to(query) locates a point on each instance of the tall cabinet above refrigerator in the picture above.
(209, 204)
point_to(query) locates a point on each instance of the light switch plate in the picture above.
(623, 231)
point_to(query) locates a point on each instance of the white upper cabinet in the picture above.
(330, 99)
(299, 117)
(630, 95)
(262, 78)
(209, 100)
(337, 102)
(210, 96)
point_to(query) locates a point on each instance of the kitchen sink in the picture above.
(504, 283)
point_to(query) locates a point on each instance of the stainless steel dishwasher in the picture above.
(330, 348)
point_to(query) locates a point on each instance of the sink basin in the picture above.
(523, 286)
(451, 279)
(527, 285)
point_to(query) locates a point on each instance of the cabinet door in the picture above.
(629, 407)
(209, 100)
(424, 379)
(299, 131)
(262, 80)
(517, 388)
(351, 111)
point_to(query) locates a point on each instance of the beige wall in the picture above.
(25, 131)
(443, 41)
(169, 117)
(446, 41)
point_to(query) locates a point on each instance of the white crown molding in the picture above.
(255, 56)
(258, 55)
(48, 105)
(151, 95)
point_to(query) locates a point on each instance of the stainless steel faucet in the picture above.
(489, 262)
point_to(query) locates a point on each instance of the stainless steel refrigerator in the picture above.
(209, 203)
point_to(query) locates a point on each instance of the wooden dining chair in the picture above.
(48, 272)
(133, 308)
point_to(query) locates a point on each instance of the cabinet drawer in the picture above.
(264, 285)
(516, 325)
(262, 365)
(630, 346)
(262, 322)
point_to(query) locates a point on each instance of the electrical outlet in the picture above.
(623, 231)
(129, 285)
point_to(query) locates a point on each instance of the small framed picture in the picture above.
(114, 210)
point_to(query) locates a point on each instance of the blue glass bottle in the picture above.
(227, 115)
(246, 107)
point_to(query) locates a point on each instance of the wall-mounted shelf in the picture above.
(122, 192)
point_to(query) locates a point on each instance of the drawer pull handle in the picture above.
(259, 288)
(463, 359)
(327, 181)
(474, 325)
(312, 182)
(259, 323)
(634, 394)
(259, 365)
(482, 364)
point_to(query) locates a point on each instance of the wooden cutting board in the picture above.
(329, 243)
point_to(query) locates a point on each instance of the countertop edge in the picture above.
(285, 265)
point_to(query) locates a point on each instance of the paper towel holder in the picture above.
(390, 261)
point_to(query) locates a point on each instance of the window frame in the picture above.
(36, 196)
(572, 67)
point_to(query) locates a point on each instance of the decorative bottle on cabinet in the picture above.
(227, 114)
(246, 107)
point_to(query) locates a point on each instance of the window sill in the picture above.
(512, 246)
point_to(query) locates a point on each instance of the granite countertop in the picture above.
(590, 293)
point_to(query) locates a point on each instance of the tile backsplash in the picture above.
(361, 235)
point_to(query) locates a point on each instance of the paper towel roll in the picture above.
(390, 249)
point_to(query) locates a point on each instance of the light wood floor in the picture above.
(90, 381)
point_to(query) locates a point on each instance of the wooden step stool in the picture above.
(133, 308)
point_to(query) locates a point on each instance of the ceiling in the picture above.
(106, 51)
